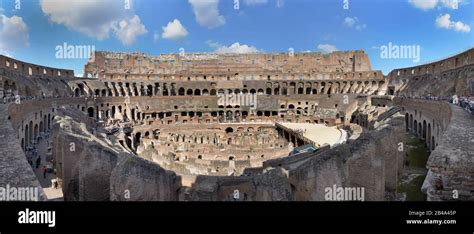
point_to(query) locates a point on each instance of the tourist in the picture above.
(38, 162)
(55, 183)
(45, 170)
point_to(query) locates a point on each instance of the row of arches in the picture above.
(32, 130)
(270, 88)
(426, 130)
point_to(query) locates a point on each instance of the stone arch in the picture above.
(420, 129)
(137, 139)
(423, 136)
(181, 91)
(407, 122)
(45, 122)
(428, 138)
(35, 136)
(415, 127)
(197, 92)
(433, 144)
(27, 135)
(77, 92)
(90, 112)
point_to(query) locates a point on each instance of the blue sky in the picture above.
(30, 30)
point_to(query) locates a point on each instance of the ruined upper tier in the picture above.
(110, 65)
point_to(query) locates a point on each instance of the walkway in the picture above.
(320, 134)
(52, 193)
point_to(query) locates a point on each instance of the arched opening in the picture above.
(35, 133)
(90, 112)
(45, 122)
(415, 127)
(407, 122)
(229, 130)
(30, 135)
(27, 135)
(300, 90)
(433, 145)
(419, 129)
(428, 138)
(424, 130)
(181, 92)
(137, 139)
(269, 91)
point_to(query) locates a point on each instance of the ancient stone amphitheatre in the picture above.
(221, 127)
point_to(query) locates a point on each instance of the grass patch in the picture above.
(417, 155)
(413, 189)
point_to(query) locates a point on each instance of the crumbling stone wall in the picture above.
(445, 77)
(136, 179)
(367, 162)
(451, 162)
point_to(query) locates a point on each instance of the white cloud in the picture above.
(349, 22)
(453, 4)
(235, 48)
(174, 30)
(327, 48)
(444, 21)
(424, 4)
(255, 2)
(129, 30)
(96, 19)
(207, 13)
(431, 4)
(13, 33)
(353, 22)
(213, 44)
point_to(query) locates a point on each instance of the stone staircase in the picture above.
(393, 110)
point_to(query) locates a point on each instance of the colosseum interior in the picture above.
(205, 126)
